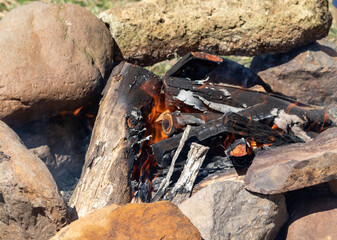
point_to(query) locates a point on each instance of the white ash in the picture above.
(286, 121)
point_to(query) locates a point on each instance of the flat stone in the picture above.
(294, 166)
(154, 30)
(30, 204)
(52, 58)
(314, 219)
(160, 220)
(308, 74)
(225, 210)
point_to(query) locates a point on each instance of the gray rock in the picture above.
(30, 204)
(225, 210)
(52, 58)
(154, 30)
(308, 74)
(294, 166)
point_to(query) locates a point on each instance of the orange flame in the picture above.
(77, 111)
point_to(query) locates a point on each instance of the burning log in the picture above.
(231, 123)
(201, 81)
(222, 98)
(116, 138)
(177, 121)
(183, 188)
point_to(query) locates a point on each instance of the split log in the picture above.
(231, 123)
(166, 182)
(183, 188)
(181, 93)
(116, 139)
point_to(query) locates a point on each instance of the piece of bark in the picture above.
(116, 139)
(166, 182)
(183, 188)
(152, 31)
(295, 166)
(231, 123)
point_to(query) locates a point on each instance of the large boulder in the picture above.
(52, 58)
(294, 166)
(160, 220)
(154, 30)
(30, 204)
(308, 74)
(225, 210)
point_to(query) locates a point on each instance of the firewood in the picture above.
(181, 93)
(231, 123)
(116, 138)
(177, 121)
(183, 188)
(166, 182)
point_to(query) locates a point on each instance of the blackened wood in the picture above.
(183, 188)
(231, 123)
(203, 96)
(201, 66)
(166, 182)
(116, 138)
(177, 121)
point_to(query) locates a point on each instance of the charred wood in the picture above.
(202, 96)
(166, 182)
(183, 188)
(177, 121)
(206, 67)
(116, 138)
(231, 123)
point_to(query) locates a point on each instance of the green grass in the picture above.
(95, 6)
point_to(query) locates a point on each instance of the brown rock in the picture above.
(153, 30)
(225, 210)
(52, 58)
(308, 74)
(30, 204)
(160, 220)
(294, 166)
(314, 219)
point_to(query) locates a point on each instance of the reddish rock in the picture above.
(52, 58)
(30, 204)
(314, 219)
(294, 166)
(160, 220)
(308, 74)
